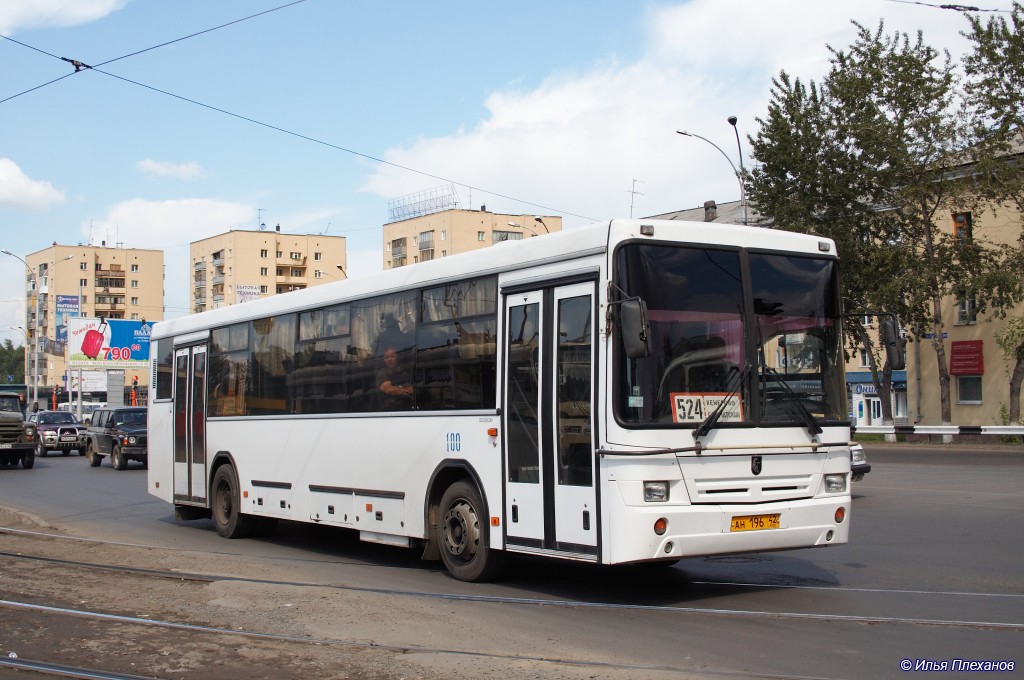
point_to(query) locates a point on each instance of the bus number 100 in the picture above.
(453, 442)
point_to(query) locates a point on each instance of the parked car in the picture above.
(858, 462)
(57, 430)
(119, 433)
(17, 437)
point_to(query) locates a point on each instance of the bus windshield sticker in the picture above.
(690, 407)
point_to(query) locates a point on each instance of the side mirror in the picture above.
(894, 353)
(633, 323)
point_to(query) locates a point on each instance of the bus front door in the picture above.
(190, 425)
(550, 492)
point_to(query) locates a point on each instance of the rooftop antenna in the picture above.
(259, 219)
(634, 193)
(327, 229)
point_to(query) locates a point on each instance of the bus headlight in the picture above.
(655, 492)
(835, 483)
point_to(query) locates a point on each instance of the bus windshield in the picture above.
(773, 359)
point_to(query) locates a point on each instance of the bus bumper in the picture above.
(696, 530)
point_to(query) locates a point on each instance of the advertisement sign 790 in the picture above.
(108, 343)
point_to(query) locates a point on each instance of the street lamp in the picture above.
(519, 226)
(334, 276)
(538, 219)
(739, 152)
(35, 336)
(739, 178)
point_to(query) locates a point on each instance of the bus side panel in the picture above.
(160, 432)
(372, 471)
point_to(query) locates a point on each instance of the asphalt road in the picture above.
(932, 572)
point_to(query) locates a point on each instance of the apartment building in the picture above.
(447, 232)
(241, 265)
(88, 281)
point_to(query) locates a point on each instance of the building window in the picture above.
(135, 300)
(500, 236)
(264, 271)
(317, 273)
(296, 256)
(317, 256)
(444, 253)
(280, 271)
(83, 282)
(263, 290)
(135, 267)
(263, 252)
(481, 236)
(135, 283)
(865, 358)
(135, 316)
(444, 234)
(968, 389)
(967, 311)
(83, 266)
(963, 227)
(297, 272)
(280, 253)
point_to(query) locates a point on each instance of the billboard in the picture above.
(245, 293)
(108, 343)
(67, 307)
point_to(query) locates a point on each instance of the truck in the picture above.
(17, 438)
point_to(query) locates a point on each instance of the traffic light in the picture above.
(135, 381)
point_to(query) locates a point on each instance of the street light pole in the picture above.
(35, 335)
(739, 178)
(739, 152)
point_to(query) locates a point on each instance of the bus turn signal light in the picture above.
(661, 526)
(492, 432)
(840, 514)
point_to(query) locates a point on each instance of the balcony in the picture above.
(200, 266)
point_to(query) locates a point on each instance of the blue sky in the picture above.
(536, 107)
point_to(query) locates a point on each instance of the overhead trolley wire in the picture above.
(80, 66)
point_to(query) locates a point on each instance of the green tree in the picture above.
(12, 362)
(873, 158)
(995, 100)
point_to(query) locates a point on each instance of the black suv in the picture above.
(119, 433)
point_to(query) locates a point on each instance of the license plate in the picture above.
(754, 522)
(69, 438)
(6, 446)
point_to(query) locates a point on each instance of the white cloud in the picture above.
(576, 142)
(16, 15)
(19, 191)
(175, 170)
(169, 226)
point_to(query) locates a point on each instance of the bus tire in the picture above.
(226, 503)
(461, 535)
(93, 456)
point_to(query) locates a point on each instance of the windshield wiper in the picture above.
(812, 425)
(709, 423)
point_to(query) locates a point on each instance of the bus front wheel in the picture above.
(461, 535)
(227, 505)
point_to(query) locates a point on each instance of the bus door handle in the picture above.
(515, 513)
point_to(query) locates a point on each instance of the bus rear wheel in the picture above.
(462, 536)
(227, 505)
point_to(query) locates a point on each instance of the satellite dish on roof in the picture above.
(263, 227)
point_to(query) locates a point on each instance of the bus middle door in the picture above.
(190, 425)
(550, 493)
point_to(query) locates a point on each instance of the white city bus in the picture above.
(631, 391)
